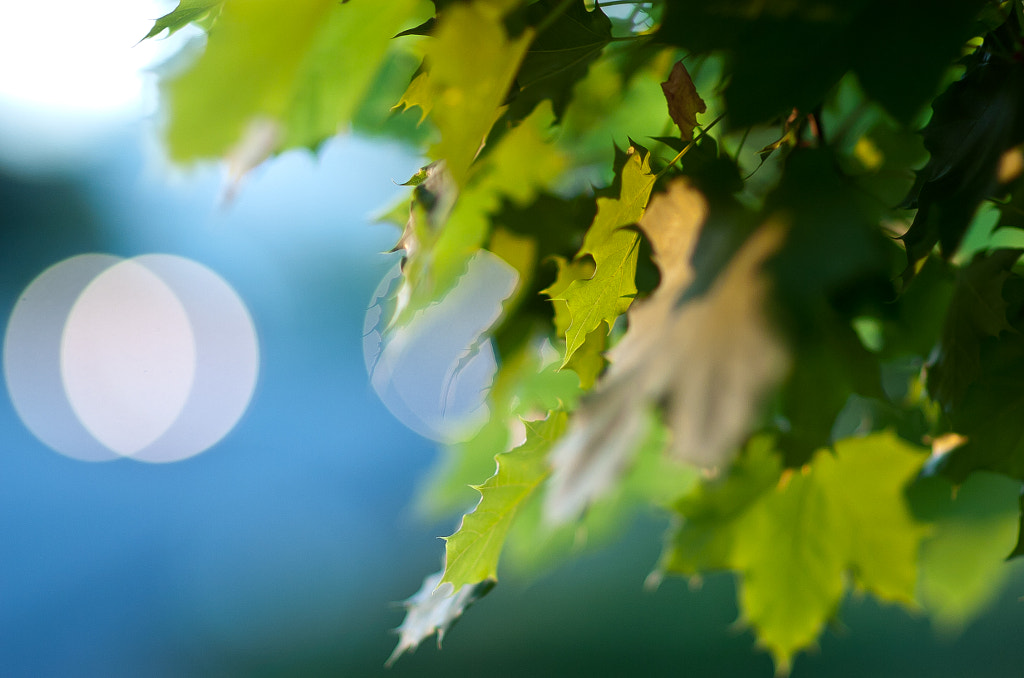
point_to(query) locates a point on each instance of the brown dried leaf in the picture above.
(711, 360)
(683, 101)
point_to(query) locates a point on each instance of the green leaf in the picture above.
(559, 55)
(963, 560)
(187, 11)
(524, 386)
(467, 92)
(787, 534)
(654, 479)
(710, 359)
(568, 272)
(608, 293)
(793, 542)
(975, 121)
(302, 68)
(471, 554)
(588, 361)
(991, 414)
(520, 166)
(976, 310)
(785, 55)
(711, 513)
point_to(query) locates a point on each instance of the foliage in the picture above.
(758, 321)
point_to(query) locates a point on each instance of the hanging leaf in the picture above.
(974, 123)
(304, 66)
(683, 101)
(187, 12)
(471, 554)
(433, 609)
(467, 92)
(607, 294)
(560, 55)
(844, 513)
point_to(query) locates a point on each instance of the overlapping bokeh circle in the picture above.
(154, 358)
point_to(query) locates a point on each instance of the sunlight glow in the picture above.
(74, 55)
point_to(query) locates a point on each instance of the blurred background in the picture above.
(282, 549)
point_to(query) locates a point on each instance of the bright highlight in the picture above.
(153, 358)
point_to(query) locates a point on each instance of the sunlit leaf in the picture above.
(608, 293)
(187, 11)
(844, 513)
(305, 66)
(471, 554)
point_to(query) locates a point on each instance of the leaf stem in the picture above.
(552, 17)
(688, 146)
(625, 2)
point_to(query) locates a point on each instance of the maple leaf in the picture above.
(560, 55)
(844, 513)
(711, 359)
(467, 92)
(452, 222)
(974, 123)
(607, 294)
(769, 41)
(976, 310)
(991, 413)
(433, 609)
(471, 554)
(527, 383)
(418, 93)
(187, 11)
(683, 101)
(963, 560)
(306, 67)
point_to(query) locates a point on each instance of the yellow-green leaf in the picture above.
(520, 165)
(187, 11)
(793, 544)
(472, 62)
(608, 294)
(471, 554)
(304, 66)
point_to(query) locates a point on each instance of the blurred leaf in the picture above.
(845, 512)
(976, 310)
(467, 92)
(654, 479)
(434, 609)
(521, 165)
(991, 413)
(525, 387)
(710, 359)
(788, 54)
(974, 122)
(418, 93)
(303, 66)
(704, 539)
(963, 560)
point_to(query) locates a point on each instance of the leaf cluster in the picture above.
(768, 272)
